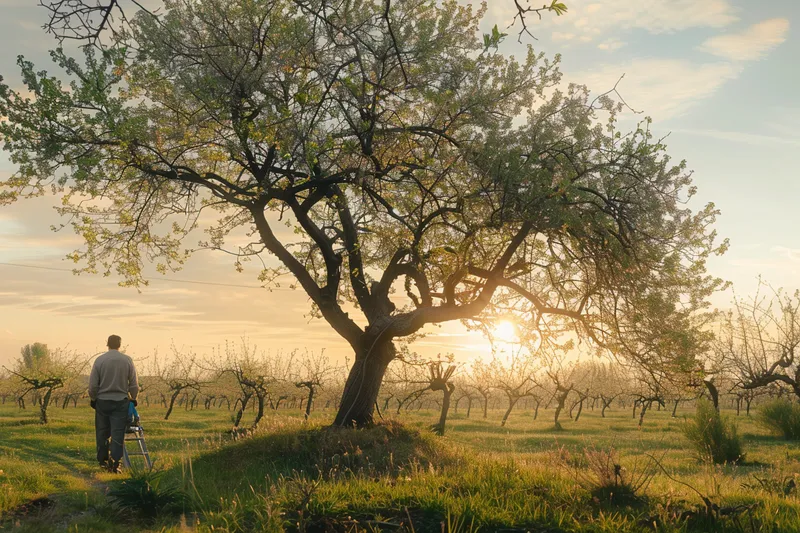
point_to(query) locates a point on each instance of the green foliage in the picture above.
(782, 417)
(714, 438)
(493, 40)
(35, 355)
(559, 8)
(144, 494)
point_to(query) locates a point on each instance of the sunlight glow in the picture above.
(505, 331)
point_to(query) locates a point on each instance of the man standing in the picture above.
(112, 387)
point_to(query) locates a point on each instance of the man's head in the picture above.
(114, 342)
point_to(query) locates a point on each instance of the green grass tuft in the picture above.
(714, 438)
(782, 417)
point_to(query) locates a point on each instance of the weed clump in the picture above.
(145, 494)
(601, 473)
(714, 438)
(782, 417)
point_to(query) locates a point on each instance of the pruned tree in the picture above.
(514, 377)
(480, 376)
(179, 374)
(464, 390)
(760, 338)
(45, 373)
(613, 382)
(387, 143)
(254, 373)
(315, 370)
(441, 381)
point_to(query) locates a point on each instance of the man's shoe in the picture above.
(114, 467)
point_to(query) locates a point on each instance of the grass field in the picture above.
(292, 476)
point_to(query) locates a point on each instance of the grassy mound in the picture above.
(292, 449)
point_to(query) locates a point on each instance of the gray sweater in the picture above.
(113, 377)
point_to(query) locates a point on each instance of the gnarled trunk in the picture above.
(713, 393)
(560, 401)
(172, 403)
(512, 401)
(310, 401)
(43, 403)
(363, 385)
(448, 391)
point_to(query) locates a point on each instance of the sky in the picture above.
(720, 77)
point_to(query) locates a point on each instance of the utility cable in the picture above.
(174, 280)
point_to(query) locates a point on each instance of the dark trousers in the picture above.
(110, 419)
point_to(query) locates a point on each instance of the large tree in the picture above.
(407, 157)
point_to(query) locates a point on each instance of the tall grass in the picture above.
(714, 438)
(782, 417)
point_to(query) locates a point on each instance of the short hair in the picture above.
(114, 342)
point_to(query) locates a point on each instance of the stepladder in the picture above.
(134, 436)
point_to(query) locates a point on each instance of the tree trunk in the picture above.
(580, 409)
(511, 403)
(172, 403)
(469, 405)
(363, 385)
(606, 404)
(675, 409)
(45, 401)
(714, 393)
(562, 399)
(645, 405)
(747, 405)
(485, 406)
(260, 413)
(448, 391)
(240, 412)
(310, 401)
(536, 409)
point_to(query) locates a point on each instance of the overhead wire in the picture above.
(173, 280)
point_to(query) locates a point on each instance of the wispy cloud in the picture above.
(663, 88)
(743, 137)
(590, 20)
(750, 44)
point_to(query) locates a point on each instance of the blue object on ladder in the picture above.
(133, 415)
(135, 433)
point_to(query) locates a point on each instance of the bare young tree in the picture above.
(480, 377)
(45, 373)
(514, 377)
(464, 391)
(315, 370)
(252, 373)
(441, 381)
(179, 375)
(760, 339)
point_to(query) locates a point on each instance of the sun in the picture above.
(505, 331)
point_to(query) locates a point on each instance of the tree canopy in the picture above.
(426, 177)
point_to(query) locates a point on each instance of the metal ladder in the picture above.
(135, 434)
